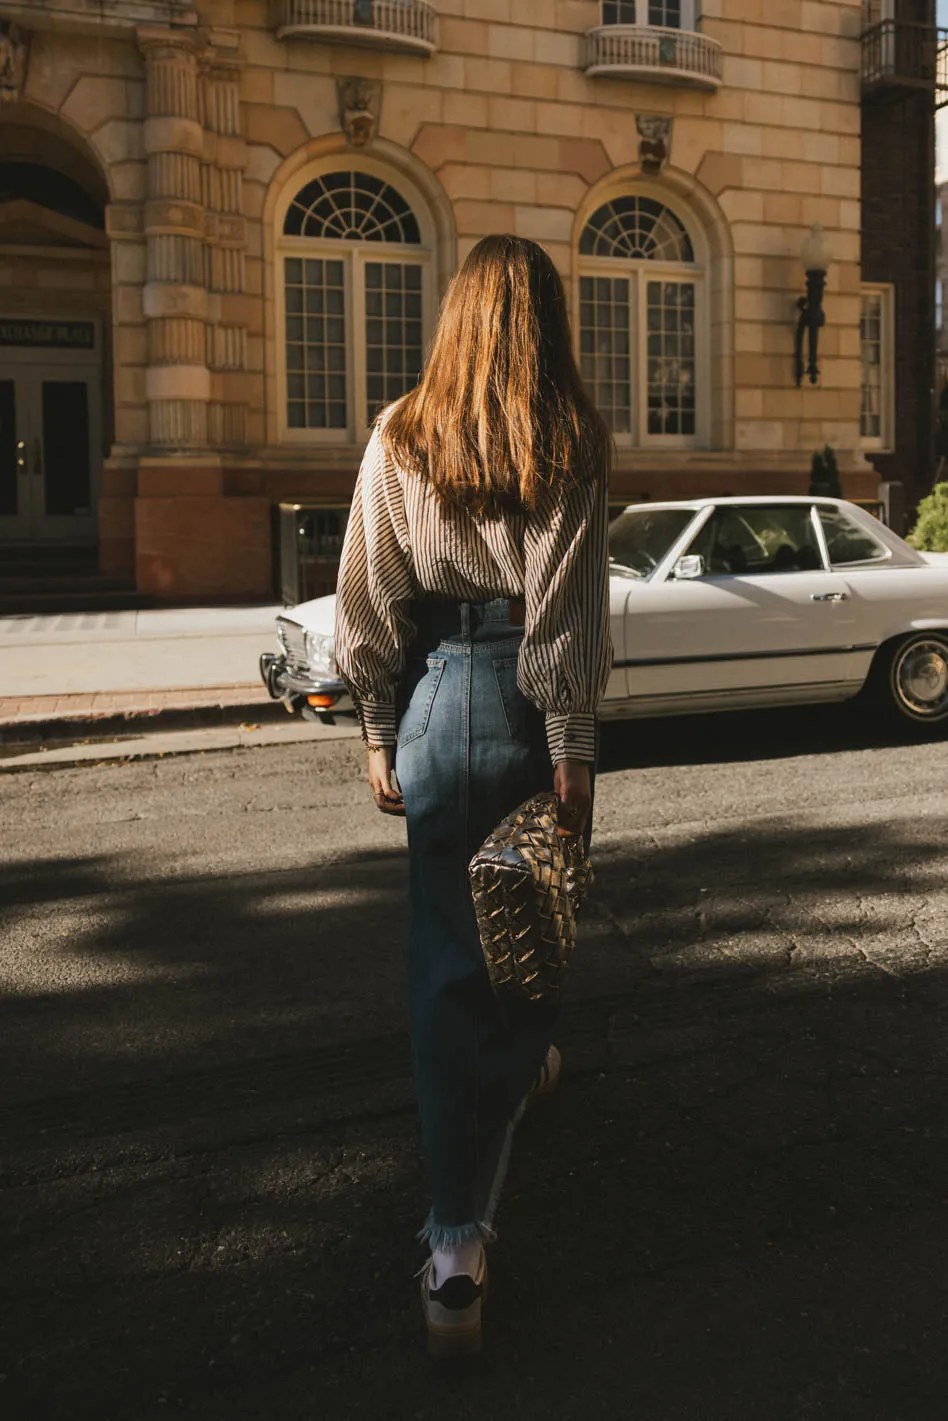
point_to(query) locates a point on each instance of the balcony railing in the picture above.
(898, 57)
(407, 25)
(660, 56)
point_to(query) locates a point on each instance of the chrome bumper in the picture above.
(293, 685)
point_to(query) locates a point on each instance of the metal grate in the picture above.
(900, 55)
(292, 639)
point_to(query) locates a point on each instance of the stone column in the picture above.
(225, 157)
(177, 380)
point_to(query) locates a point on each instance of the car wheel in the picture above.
(912, 679)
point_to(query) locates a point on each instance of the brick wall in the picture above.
(941, 274)
(898, 247)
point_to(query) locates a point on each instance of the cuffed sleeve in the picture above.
(566, 654)
(373, 592)
(571, 737)
(379, 721)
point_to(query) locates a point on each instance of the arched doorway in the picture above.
(55, 299)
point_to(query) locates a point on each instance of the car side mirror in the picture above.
(689, 567)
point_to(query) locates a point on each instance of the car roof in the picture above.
(756, 499)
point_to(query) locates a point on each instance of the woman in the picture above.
(473, 632)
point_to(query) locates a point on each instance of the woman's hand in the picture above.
(383, 781)
(572, 787)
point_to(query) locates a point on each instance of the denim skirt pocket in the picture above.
(516, 707)
(414, 721)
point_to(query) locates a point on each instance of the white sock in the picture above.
(448, 1262)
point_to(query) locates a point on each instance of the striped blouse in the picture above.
(404, 542)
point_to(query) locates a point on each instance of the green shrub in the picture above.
(930, 533)
(824, 475)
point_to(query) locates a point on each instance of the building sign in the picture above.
(63, 335)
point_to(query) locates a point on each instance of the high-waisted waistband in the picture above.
(446, 618)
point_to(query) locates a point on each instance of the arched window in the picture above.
(356, 302)
(641, 322)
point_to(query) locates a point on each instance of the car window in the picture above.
(847, 541)
(759, 538)
(640, 537)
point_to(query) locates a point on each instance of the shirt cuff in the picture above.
(571, 737)
(379, 722)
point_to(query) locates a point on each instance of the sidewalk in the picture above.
(105, 669)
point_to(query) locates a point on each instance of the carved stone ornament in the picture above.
(655, 134)
(359, 103)
(14, 56)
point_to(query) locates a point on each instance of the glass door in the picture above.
(48, 449)
(12, 458)
(64, 489)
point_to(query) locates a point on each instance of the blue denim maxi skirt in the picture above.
(471, 748)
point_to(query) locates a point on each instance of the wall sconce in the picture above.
(812, 316)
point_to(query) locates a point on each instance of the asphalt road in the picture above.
(735, 1210)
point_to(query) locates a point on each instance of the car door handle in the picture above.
(829, 596)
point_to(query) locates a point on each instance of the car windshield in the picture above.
(640, 537)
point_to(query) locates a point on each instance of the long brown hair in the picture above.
(501, 413)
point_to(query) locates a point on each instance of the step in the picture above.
(47, 554)
(78, 600)
(55, 583)
(42, 567)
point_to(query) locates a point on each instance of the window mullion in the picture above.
(356, 348)
(876, 375)
(640, 326)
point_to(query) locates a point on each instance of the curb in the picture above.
(131, 748)
(103, 724)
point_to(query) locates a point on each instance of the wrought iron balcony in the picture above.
(654, 54)
(406, 25)
(899, 58)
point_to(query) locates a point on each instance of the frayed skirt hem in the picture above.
(445, 1237)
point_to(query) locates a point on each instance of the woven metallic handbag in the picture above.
(528, 883)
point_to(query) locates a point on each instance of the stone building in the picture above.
(225, 226)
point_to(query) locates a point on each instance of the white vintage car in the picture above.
(725, 604)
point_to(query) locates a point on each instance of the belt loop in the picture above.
(465, 620)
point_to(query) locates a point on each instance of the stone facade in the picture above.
(194, 127)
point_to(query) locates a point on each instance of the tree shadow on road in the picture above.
(735, 1208)
(774, 735)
